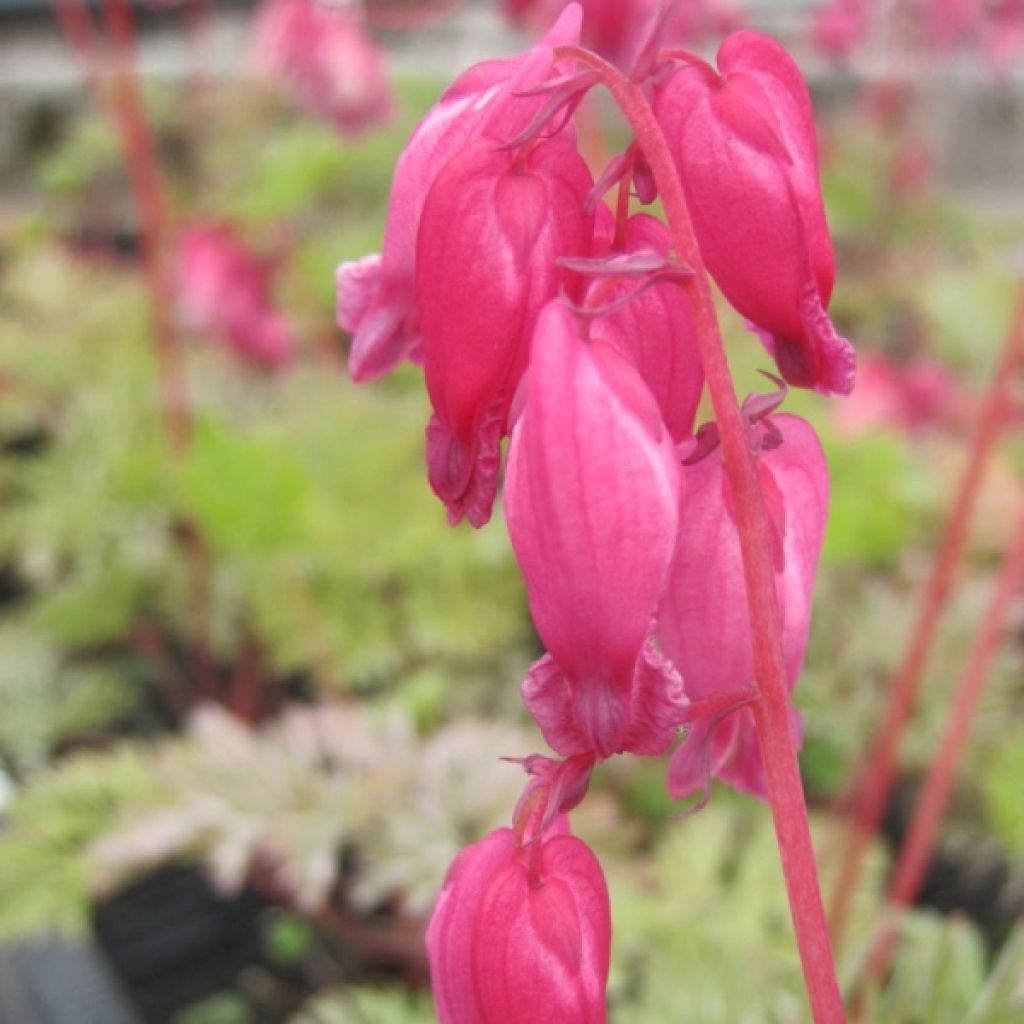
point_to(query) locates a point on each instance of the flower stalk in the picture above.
(933, 799)
(771, 709)
(871, 793)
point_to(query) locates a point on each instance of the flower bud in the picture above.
(745, 146)
(521, 934)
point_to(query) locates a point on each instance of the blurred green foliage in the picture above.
(319, 540)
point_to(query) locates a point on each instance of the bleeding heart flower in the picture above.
(492, 229)
(223, 288)
(745, 146)
(377, 294)
(704, 622)
(521, 934)
(591, 498)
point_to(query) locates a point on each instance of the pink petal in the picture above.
(655, 331)
(746, 150)
(591, 502)
(491, 231)
(577, 718)
(704, 625)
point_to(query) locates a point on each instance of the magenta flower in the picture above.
(223, 289)
(591, 498)
(521, 934)
(491, 231)
(745, 146)
(839, 26)
(377, 295)
(655, 331)
(323, 56)
(704, 623)
(908, 397)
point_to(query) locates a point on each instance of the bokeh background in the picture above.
(253, 690)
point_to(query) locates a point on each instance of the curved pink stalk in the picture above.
(771, 711)
(871, 792)
(933, 799)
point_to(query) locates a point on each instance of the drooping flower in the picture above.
(377, 294)
(655, 331)
(224, 289)
(591, 498)
(521, 934)
(321, 53)
(491, 231)
(744, 143)
(704, 622)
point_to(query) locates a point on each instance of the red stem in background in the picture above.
(80, 33)
(771, 711)
(401, 16)
(140, 156)
(934, 797)
(871, 792)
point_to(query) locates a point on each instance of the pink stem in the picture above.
(934, 797)
(771, 712)
(80, 34)
(872, 791)
(140, 157)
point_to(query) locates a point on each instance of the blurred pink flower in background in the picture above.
(838, 26)
(321, 53)
(223, 289)
(907, 397)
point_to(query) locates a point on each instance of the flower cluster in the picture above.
(544, 315)
(995, 30)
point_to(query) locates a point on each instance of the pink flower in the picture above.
(377, 295)
(907, 397)
(320, 52)
(591, 498)
(521, 934)
(655, 331)
(745, 146)
(224, 289)
(1003, 36)
(491, 231)
(704, 624)
(838, 26)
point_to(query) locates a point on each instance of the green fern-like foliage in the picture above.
(48, 829)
